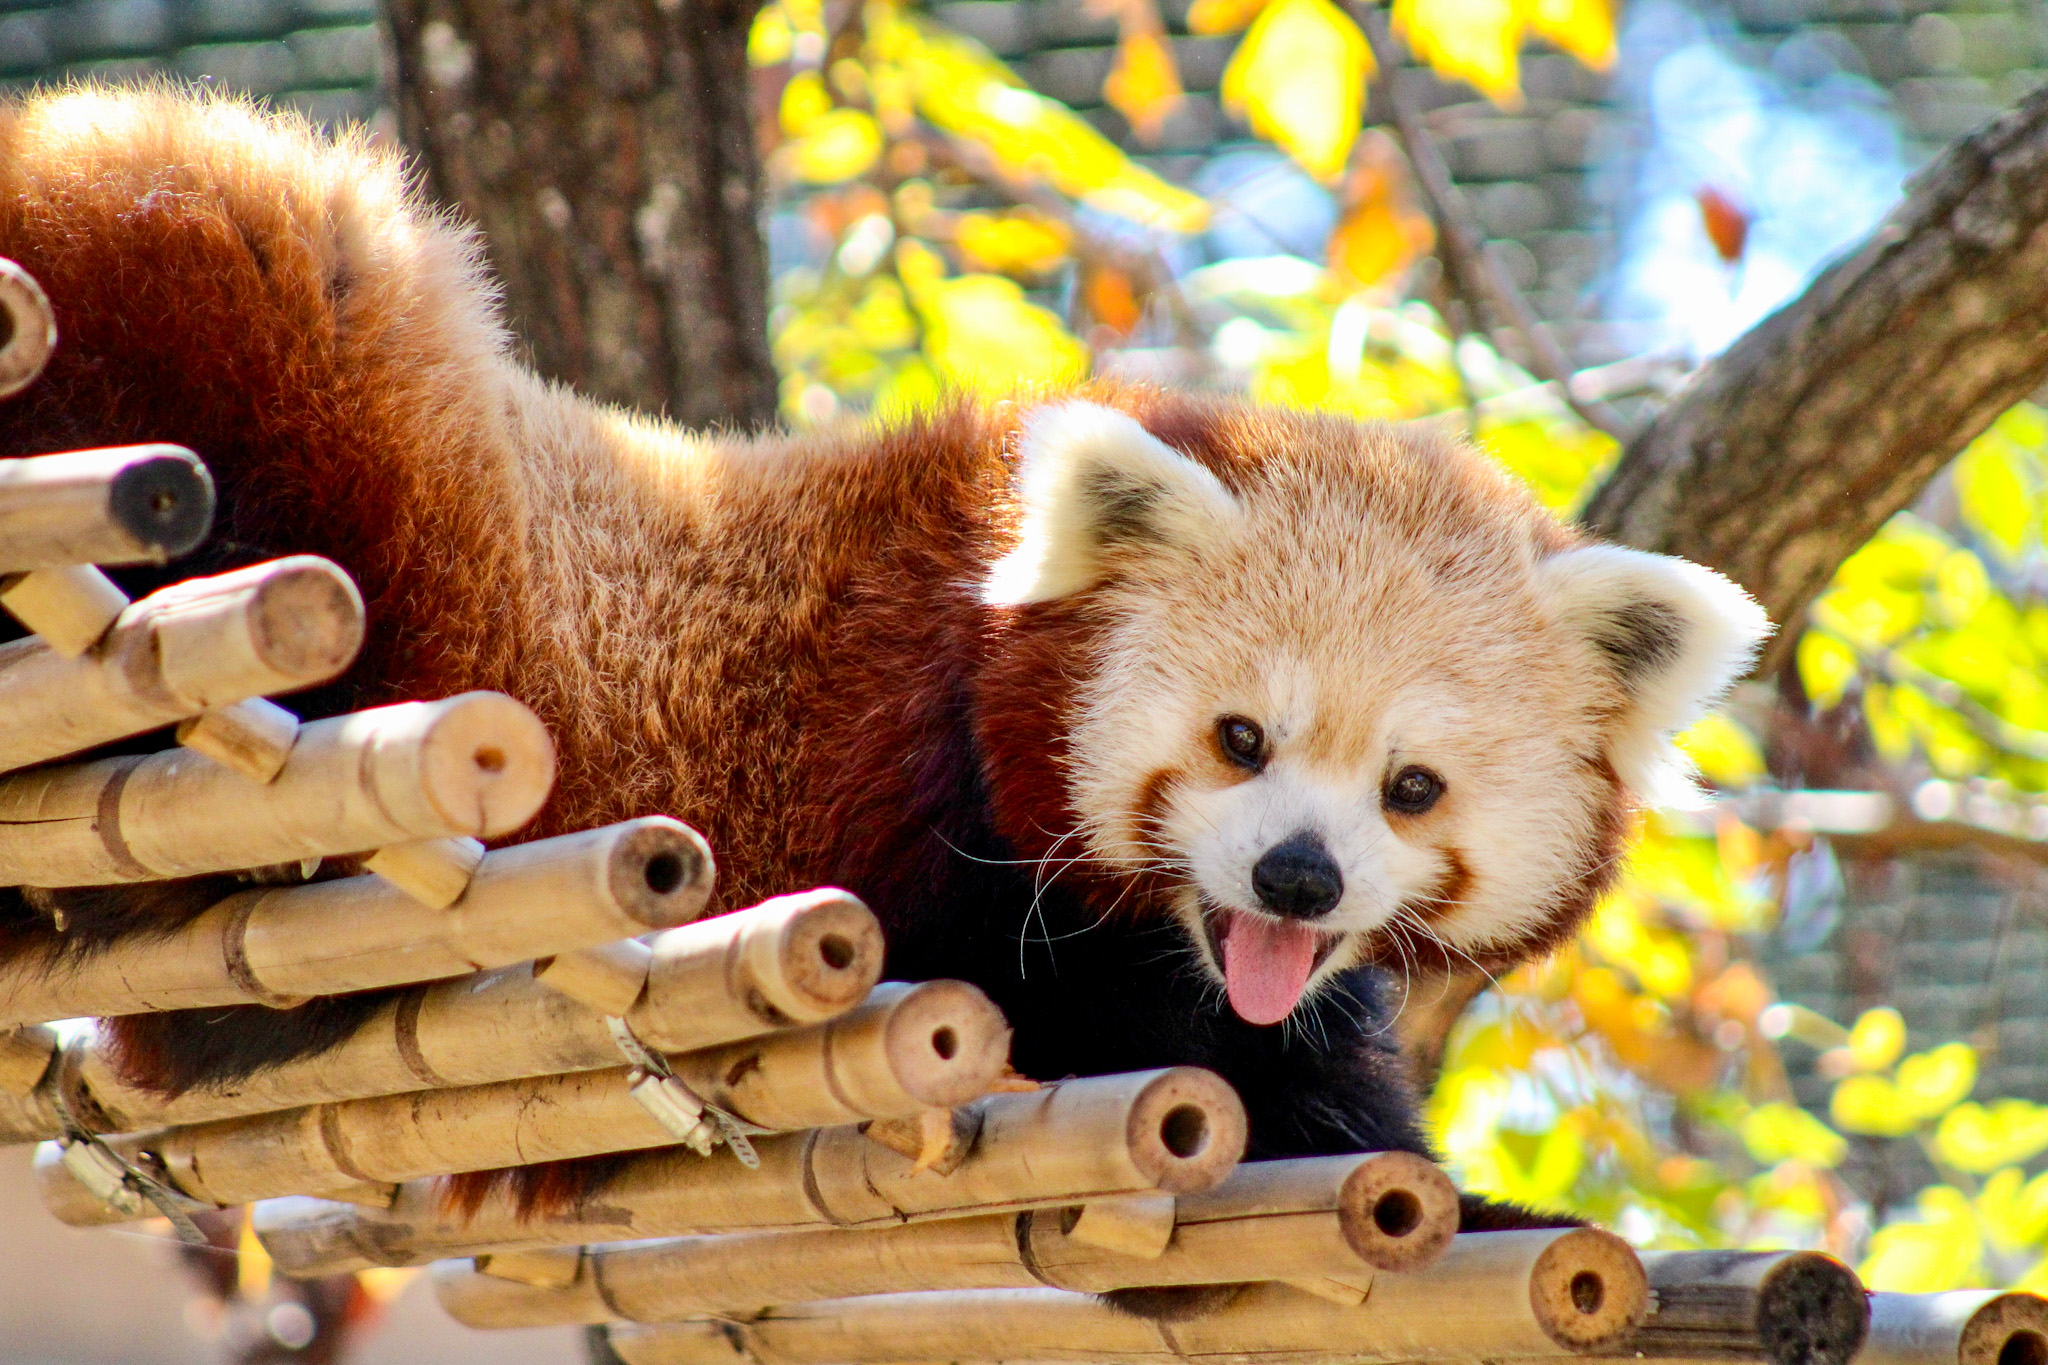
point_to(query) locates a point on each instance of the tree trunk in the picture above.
(606, 149)
(1791, 449)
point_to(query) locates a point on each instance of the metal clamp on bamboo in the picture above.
(1491, 1296)
(1793, 1307)
(939, 1043)
(1314, 1219)
(1964, 1327)
(270, 628)
(477, 764)
(502, 1025)
(141, 504)
(1180, 1130)
(278, 945)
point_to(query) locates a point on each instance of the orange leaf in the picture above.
(1144, 85)
(1211, 17)
(1726, 222)
(1382, 232)
(1113, 299)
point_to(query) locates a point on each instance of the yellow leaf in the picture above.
(1783, 1132)
(1931, 1082)
(1473, 40)
(1870, 1105)
(1299, 78)
(1209, 17)
(1723, 750)
(1144, 85)
(963, 90)
(1012, 243)
(770, 40)
(1584, 28)
(804, 101)
(1826, 667)
(1877, 1038)
(1940, 1250)
(836, 146)
(1978, 1139)
(2014, 1210)
(982, 334)
(1993, 492)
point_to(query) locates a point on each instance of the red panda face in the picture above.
(1364, 701)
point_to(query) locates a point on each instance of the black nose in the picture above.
(1298, 877)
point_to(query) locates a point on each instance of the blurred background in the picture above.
(1816, 1013)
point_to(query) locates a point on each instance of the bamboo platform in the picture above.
(810, 1165)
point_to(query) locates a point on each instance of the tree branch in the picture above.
(1474, 272)
(1789, 451)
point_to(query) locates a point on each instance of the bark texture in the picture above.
(1792, 448)
(606, 149)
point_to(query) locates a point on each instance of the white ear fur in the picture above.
(1677, 635)
(1091, 479)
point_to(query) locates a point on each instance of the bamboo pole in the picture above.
(1966, 1327)
(1793, 1307)
(1491, 1296)
(1180, 1130)
(503, 1025)
(142, 504)
(477, 764)
(911, 1048)
(1273, 1220)
(277, 945)
(208, 642)
(30, 329)
(25, 1056)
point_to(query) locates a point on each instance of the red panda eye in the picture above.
(1244, 743)
(1413, 791)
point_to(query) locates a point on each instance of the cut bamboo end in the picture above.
(1792, 1307)
(1398, 1211)
(478, 764)
(201, 644)
(794, 959)
(30, 329)
(272, 627)
(608, 977)
(252, 736)
(1588, 1289)
(1187, 1130)
(70, 609)
(1962, 1327)
(362, 933)
(1139, 1225)
(127, 505)
(434, 872)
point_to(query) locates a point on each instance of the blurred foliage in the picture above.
(954, 230)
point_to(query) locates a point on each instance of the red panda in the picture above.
(1169, 720)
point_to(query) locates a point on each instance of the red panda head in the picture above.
(1353, 695)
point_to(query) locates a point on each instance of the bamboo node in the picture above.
(70, 608)
(253, 736)
(434, 872)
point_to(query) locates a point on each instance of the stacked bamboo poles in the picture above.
(1801, 1307)
(1513, 1295)
(1327, 1220)
(1180, 1131)
(812, 957)
(909, 1049)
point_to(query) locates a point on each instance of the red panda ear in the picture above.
(1674, 635)
(1093, 482)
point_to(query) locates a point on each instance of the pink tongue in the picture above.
(1265, 966)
